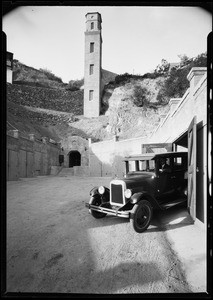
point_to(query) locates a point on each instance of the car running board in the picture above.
(173, 203)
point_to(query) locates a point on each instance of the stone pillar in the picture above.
(32, 136)
(16, 133)
(173, 103)
(195, 75)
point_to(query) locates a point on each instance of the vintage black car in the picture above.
(151, 181)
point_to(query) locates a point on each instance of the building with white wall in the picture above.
(9, 67)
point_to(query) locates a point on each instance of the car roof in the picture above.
(149, 156)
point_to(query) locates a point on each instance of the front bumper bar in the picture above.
(109, 211)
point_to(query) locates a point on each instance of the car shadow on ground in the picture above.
(162, 220)
(175, 217)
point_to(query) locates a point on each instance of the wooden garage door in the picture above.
(22, 163)
(38, 163)
(30, 164)
(13, 172)
(192, 153)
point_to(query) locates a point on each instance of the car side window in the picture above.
(179, 163)
(165, 165)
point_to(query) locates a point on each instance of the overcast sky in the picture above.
(135, 38)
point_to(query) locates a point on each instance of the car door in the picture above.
(180, 172)
(165, 182)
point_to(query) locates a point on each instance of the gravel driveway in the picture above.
(55, 245)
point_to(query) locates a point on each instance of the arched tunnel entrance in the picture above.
(74, 158)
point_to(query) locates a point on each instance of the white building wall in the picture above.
(106, 157)
(9, 76)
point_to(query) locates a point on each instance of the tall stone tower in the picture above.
(92, 65)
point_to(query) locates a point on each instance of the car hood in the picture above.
(136, 179)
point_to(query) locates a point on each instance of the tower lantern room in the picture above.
(93, 21)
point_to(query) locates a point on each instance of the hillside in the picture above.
(131, 104)
(48, 98)
(26, 75)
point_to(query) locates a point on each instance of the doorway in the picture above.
(74, 158)
(193, 142)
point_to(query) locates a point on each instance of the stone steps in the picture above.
(75, 171)
(66, 172)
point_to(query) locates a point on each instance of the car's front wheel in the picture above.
(97, 202)
(141, 216)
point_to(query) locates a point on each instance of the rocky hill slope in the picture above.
(131, 105)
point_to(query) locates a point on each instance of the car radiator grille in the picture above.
(117, 193)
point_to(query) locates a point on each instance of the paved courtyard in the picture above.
(55, 245)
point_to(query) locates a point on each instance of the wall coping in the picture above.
(174, 101)
(196, 71)
(198, 87)
(113, 141)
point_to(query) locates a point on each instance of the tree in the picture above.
(162, 68)
(184, 59)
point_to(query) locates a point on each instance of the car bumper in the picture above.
(110, 211)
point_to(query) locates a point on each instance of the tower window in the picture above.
(92, 47)
(91, 94)
(91, 69)
(92, 25)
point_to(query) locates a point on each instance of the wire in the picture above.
(17, 129)
(12, 125)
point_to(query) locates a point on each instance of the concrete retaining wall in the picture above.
(106, 157)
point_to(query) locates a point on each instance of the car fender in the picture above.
(105, 197)
(144, 196)
(94, 192)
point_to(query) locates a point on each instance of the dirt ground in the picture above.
(54, 245)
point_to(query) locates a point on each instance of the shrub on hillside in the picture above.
(75, 85)
(174, 86)
(176, 82)
(140, 96)
(162, 68)
(126, 77)
(50, 75)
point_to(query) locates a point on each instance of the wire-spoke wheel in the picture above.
(142, 215)
(97, 202)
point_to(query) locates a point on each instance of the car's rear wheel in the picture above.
(97, 202)
(141, 216)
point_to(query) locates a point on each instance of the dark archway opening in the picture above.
(74, 159)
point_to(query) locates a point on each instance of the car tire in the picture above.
(141, 215)
(97, 202)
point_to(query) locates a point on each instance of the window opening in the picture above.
(91, 94)
(92, 25)
(92, 47)
(91, 69)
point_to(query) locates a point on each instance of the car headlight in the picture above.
(101, 190)
(128, 193)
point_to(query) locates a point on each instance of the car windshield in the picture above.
(141, 165)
